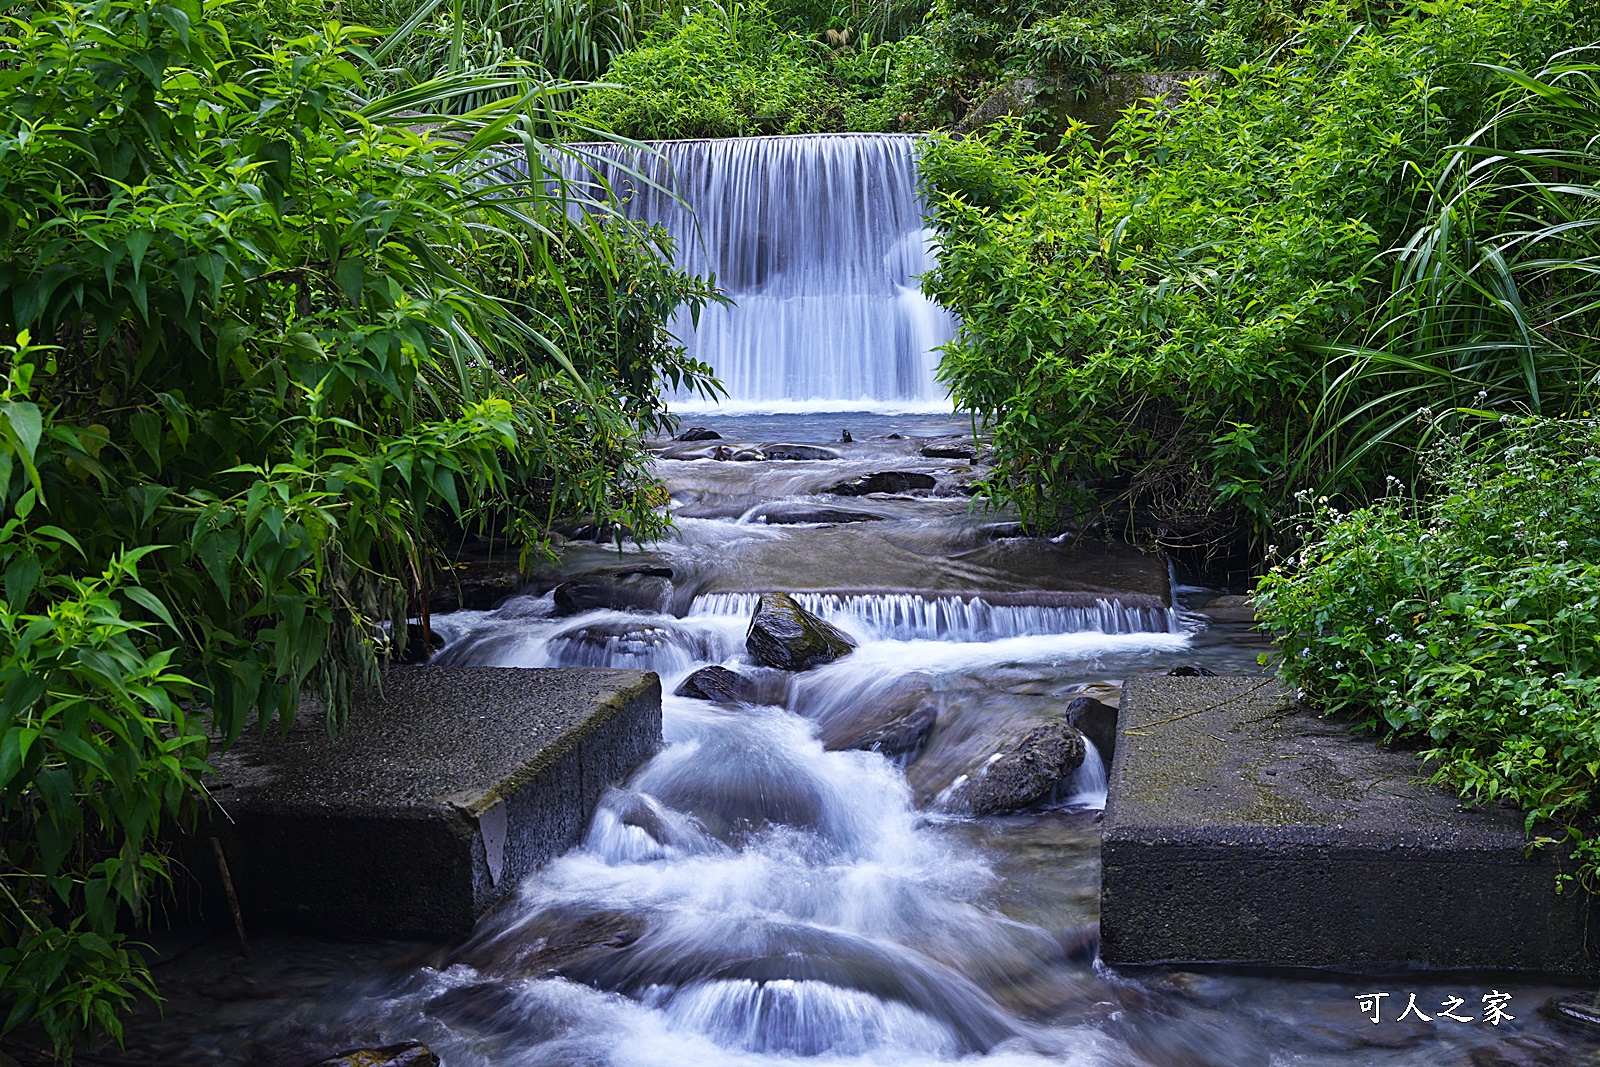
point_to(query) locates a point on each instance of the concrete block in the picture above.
(1242, 830)
(444, 793)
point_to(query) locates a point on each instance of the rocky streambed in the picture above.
(872, 834)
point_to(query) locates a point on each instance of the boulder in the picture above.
(698, 433)
(1190, 670)
(883, 482)
(950, 451)
(901, 736)
(474, 585)
(784, 635)
(1097, 722)
(419, 647)
(1579, 1011)
(642, 588)
(719, 685)
(1524, 1050)
(1024, 772)
(748, 455)
(792, 514)
(797, 452)
(405, 1054)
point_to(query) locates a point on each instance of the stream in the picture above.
(761, 892)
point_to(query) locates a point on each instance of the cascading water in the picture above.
(791, 877)
(819, 241)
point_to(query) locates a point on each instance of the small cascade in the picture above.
(819, 241)
(1087, 787)
(908, 617)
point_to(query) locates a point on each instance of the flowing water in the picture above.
(759, 892)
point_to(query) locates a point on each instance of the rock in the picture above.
(883, 482)
(474, 586)
(642, 588)
(793, 514)
(406, 1054)
(1024, 772)
(718, 684)
(845, 438)
(797, 452)
(902, 736)
(698, 433)
(417, 650)
(950, 451)
(1578, 1010)
(784, 635)
(1190, 670)
(1524, 1051)
(1097, 722)
(748, 455)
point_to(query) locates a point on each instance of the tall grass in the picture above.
(1495, 299)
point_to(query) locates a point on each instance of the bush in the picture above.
(717, 73)
(1140, 322)
(259, 329)
(1468, 621)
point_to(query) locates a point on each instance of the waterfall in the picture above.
(819, 241)
(907, 616)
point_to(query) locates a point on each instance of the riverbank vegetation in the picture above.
(277, 322)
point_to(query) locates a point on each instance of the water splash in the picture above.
(906, 616)
(819, 240)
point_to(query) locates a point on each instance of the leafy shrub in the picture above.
(717, 73)
(1468, 620)
(259, 327)
(1138, 322)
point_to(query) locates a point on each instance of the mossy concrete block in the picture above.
(1241, 829)
(440, 797)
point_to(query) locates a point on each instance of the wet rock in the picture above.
(406, 1054)
(950, 450)
(419, 647)
(718, 684)
(1024, 772)
(698, 433)
(897, 726)
(1191, 670)
(797, 452)
(603, 644)
(748, 455)
(883, 482)
(793, 514)
(1580, 1011)
(1097, 722)
(642, 588)
(784, 635)
(903, 736)
(474, 586)
(845, 438)
(1524, 1051)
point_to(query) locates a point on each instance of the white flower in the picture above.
(1522, 648)
(1561, 544)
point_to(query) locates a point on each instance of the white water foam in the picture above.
(904, 616)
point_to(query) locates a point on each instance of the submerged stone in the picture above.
(818, 514)
(896, 726)
(799, 452)
(642, 588)
(950, 450)
(883, 482)
(405, 1054)
(785, 635)
(1024, 772)
(717, 684)
(698, 433)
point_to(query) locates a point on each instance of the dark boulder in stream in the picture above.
(897, 727)
(1098, 722)
(719, 685)
(785, 635)
(950, 450)
(882, 482)
(1024, 772)
(406, 1054)
(642, 588)
(798, 452)
(819, 514)
(698, 433)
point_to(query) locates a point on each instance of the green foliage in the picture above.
(1494, 301)
(1137, 318)
(717, 72)
(1468, 621)
(270, 328)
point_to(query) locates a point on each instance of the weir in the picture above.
(818, 240)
